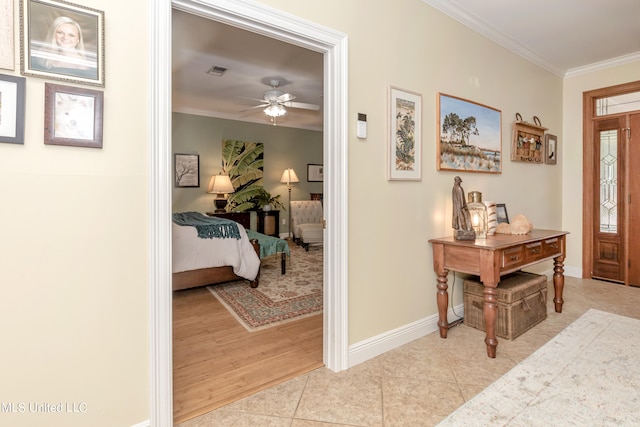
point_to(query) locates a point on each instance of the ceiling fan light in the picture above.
(275, 110)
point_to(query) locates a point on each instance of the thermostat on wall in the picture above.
(362, 125)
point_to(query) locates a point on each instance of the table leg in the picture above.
(558, 282)
(490, 311)
(283, 262)
(443, 302)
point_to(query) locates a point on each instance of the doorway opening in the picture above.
(264, 20)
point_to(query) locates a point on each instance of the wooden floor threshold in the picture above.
(245, 393)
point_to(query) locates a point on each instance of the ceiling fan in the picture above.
(276, 102)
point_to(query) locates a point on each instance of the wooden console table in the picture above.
(491, 258)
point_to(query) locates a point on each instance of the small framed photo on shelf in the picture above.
(501, 213)
(72, 116)
(187, 170)
(12, 102)
(62, 41)
(315, 173)
(550, 149)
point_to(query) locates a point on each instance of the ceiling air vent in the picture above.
(217, 71)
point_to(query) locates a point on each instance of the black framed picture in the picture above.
(62, 41)
(501, 212)
(12, 102)
(187, 170)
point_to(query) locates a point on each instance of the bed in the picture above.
(209, 250)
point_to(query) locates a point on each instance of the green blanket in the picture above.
(208, 227)
(268, 244)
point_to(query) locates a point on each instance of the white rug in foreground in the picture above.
(588, 375)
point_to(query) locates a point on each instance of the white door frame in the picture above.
(258, 18)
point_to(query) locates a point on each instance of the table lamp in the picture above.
(220, 185)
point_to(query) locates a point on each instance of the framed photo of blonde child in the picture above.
(62, 41)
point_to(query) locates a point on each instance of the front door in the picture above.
(611, 211)
(609, 203)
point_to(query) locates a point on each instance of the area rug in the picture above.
(279, 298)
(588, 375)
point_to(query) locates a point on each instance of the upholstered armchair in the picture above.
(307, 222)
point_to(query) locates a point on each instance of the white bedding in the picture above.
(191, 252)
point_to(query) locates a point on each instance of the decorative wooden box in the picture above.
(522, 303)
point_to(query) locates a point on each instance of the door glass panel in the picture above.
(618, 104)
(609, 181)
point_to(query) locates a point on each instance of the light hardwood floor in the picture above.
(216, 361)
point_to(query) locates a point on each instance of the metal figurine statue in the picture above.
(463, 229)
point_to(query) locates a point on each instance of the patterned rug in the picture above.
(279, 298)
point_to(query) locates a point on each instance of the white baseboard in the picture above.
(375, 346)
(146, 423)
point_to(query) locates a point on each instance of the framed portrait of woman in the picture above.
(62, 41)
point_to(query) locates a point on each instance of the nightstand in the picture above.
(242, 218)
(269, 223)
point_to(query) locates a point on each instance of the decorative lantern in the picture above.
(478, 213)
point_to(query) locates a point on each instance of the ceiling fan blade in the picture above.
(253, 108)
(302, 105)
(286, 97)
(264, 101)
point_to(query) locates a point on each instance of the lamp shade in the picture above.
(289, 176)
(220, 184)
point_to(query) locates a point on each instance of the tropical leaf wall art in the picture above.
(244, 163)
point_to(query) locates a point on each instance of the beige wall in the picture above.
(284, 147)
(572, 146)
(73, 250)
(390, 222)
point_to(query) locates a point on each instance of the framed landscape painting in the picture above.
(469, 136)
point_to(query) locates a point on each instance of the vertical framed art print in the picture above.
(62, 41)
(405, 135)
(186, 170)
(7, 55)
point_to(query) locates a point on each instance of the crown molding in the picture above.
(602, 65)
(451, 9)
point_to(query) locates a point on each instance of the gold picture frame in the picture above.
(77, 58)
(469, 136)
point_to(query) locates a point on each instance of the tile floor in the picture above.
(419, 383)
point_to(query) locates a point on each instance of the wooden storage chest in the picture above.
(522, 303)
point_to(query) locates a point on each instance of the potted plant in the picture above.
(263, 199)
